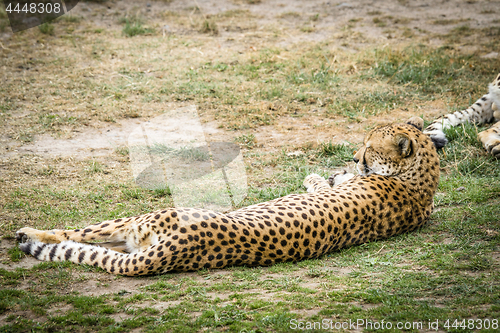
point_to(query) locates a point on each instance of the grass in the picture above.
(133, 26)
(46, 28)
(291, 82)
(311, 98)
(68, 18)
(4, 21)
(209, 27)
(246, 140)
(429, 70)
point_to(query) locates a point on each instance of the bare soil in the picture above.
(372, 23)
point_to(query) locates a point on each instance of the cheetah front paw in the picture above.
(24, 235)
(491, 140)
(314, 183)
(339, 177)
(494, 148)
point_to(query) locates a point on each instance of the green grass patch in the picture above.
(432, 71)
(134, 26)
(46, 28)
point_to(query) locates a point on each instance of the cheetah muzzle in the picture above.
(399, 173)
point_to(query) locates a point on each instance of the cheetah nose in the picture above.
(355, 160)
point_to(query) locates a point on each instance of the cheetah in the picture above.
(393, 193)
(485, 110)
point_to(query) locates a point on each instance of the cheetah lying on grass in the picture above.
(399, 173)
(485, 110)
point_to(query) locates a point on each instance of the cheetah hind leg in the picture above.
(30, 235)
(104, 231)
(491, 139)
(339, 177)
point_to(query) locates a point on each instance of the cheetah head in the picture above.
(393, 149)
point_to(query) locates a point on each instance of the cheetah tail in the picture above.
(109, 260)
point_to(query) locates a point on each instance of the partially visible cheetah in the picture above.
(485, 110)
(399, 173)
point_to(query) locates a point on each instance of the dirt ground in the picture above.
(59, 77)
(425, 19)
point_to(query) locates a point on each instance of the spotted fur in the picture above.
(399, 173)
(485, 110)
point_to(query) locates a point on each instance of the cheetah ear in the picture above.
(404, 144)
(417, 122)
